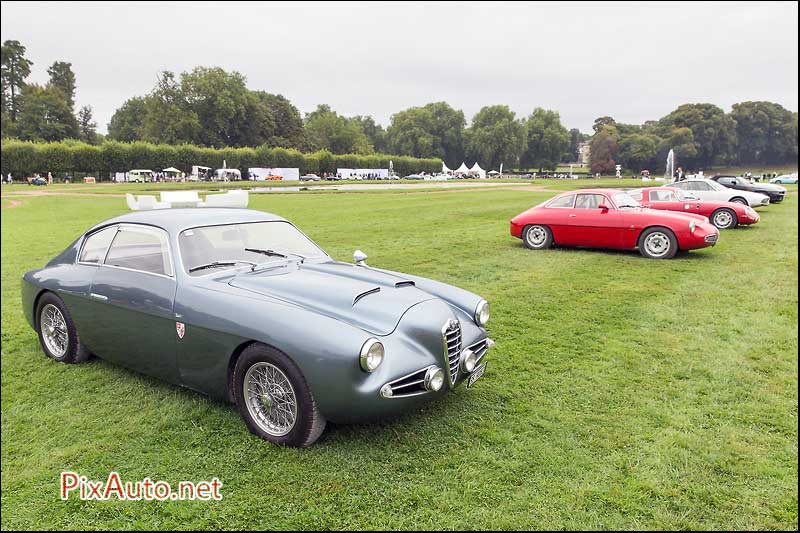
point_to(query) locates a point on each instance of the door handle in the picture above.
(98, 296)
(571, 216)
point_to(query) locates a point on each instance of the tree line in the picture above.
(210, 107)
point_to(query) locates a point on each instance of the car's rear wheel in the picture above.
(57, 333)
(739, 200)
(658, 243)
(537, 237)
(274, 399)
(724, 218)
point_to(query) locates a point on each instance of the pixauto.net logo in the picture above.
(112, 488)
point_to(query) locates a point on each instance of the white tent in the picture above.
(445, 170)
(463, 169)
(172, 170)
(476, 169)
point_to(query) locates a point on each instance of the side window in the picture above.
(564, 201)
(701, 186)
(96, 245)
(662, 196)
(683, 185)
(636, 195)
(590, 201)
(140, 248)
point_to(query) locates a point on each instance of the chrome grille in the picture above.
(451, 335)
(410, 385)
(479, 348)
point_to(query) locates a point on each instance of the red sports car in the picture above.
(723, 215)
(609, 218)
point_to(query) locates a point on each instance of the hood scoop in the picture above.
(405, 283)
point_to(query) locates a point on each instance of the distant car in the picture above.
(273, 177)
(414, 177)
(786, 179)
(241, 305)
(609, 218)
(775, 192)
(310, 177)
(723, 215)
(37, 181)
(711, 190)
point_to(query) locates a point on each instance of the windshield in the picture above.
(623, 200)
(237, 245)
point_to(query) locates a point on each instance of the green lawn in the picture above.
(622, 393)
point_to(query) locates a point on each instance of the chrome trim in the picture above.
(451, 342)
(98, 296)
(392, 387)
(365, 293)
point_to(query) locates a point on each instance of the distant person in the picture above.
(49, 178)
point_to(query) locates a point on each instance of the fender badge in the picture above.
(180, 327)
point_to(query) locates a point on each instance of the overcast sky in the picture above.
(633, 61)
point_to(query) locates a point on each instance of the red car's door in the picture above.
(560, 219)
(593, 226)
(667, 200)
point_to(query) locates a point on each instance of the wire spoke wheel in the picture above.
(54, 330)
(270, 399)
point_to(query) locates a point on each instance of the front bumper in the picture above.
(704, 235)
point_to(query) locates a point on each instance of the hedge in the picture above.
(23, 158)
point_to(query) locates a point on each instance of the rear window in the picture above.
(96, 245)
(143, 249)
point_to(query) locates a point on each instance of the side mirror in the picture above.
(360, 258)
(603, 207)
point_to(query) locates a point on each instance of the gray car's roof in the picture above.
(176, 220)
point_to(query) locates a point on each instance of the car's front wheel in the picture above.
(537, 237)
(57, 333)
(658, 243)
(274, 399)
(724, 218)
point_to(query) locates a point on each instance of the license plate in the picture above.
(476, 374)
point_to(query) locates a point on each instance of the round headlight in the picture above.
(434, 379)
(482, 313)
(371, 355)
(468, 360)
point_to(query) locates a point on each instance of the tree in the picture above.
(327, 130)
(713, 131)
(127, 122)
(681, 141)
(604, 146)
(434, 130)
(547, 142)
(14, 69)
(45, 115)
(376, 135)
(63, 79)
(168, 117)
(288, 130)
(496, 137)
(600, 122)
(766, 133)
(86, 126)
(638, 151)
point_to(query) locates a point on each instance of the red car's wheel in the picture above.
(537, 237)
(658, 243)
(724, 218)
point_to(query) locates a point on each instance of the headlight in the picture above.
(434, 379)
(692, 226)
(482, 313)
(371, 355)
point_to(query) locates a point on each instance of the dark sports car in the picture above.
(240, 304)
(776, 193)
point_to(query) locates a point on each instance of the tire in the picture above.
(53, 323)
(739, 200)
(300, 423)
(537, 237)
(658, 243)
(724, 218)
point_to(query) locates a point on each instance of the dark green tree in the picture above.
(327, 130)
(63, 79)
(376, 135)
(127, 122)
(433, 130)
(604, 147)
(638, 151)
(45, 115)
(548, 140)
(496, 137)
(766, 133)
(713, 131)
(14, 69)
(86, 126)
(288, 122)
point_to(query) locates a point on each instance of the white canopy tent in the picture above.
(172, 170)
(463, 169)
(476, 169)
(446, 170)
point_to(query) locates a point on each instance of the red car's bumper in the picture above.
(746, 219)
(516, 229)
(704, 235)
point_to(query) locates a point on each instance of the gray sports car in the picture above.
(240, 304)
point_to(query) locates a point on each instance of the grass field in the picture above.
(622, 393)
